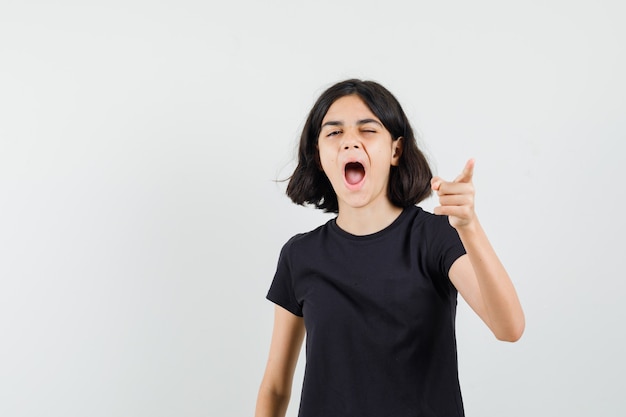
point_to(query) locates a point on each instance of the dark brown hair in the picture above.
(409, 182)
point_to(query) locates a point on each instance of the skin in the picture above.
(352, 132)
(479, 276)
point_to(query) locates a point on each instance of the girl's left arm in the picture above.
(479, 276)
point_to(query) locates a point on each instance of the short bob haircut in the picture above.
(409, 182)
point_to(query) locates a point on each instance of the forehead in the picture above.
(349, 108)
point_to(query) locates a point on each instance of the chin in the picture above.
(356, 203)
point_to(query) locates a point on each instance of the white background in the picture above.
(140, 219)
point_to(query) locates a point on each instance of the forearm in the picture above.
(503, 310)
(271, 403)
(275, 389)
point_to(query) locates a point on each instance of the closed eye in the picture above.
(333, 133)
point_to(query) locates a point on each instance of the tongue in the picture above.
(354, 173)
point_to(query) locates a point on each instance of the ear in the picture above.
(396, 151)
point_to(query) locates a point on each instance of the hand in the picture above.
(456, 197)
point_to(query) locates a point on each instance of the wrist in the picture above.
(469, 228)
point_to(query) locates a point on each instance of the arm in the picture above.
(479, 276)
(275, 389)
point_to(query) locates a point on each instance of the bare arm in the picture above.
(479, 276)
(275, 389)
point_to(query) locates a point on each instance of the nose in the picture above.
(351, 140)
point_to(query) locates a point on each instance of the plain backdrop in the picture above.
(142, 144)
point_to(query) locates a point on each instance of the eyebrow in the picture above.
(359, 122)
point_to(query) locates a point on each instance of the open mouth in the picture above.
(354, 172)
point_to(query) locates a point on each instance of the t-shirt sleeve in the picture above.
(446, 245)
(281, 290)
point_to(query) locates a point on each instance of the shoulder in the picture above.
(427, 222)
(306, 240)
(435, 233)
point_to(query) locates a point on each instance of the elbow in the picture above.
(509, 337)
(511, 334)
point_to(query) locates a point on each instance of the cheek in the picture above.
(327, 166)
(325, 157)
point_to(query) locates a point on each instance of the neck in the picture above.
(362, 221)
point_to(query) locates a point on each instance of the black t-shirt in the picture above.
(379, 312)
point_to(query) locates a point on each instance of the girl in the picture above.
(375, 287)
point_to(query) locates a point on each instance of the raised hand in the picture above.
(456, 198)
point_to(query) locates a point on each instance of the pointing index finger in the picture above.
(468, 172)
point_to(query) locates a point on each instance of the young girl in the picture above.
(376, 287)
